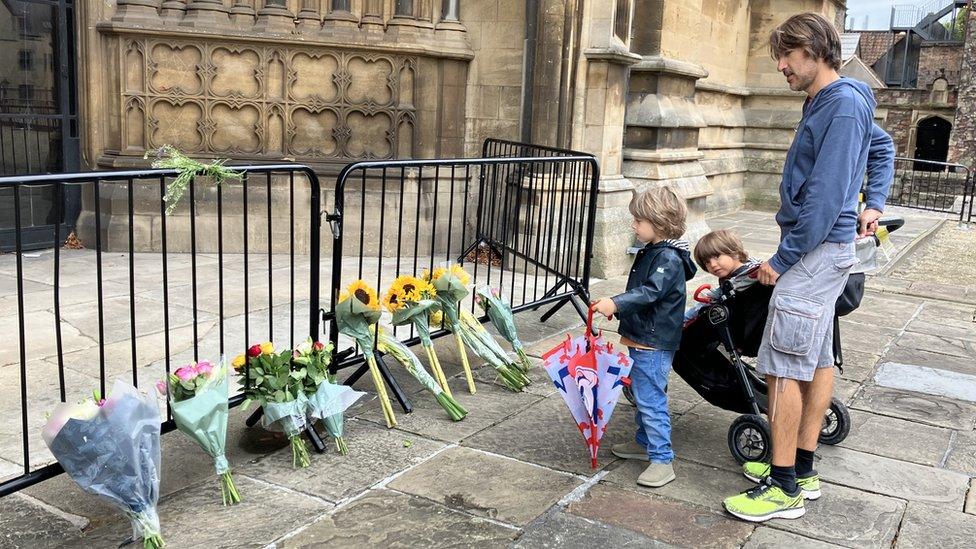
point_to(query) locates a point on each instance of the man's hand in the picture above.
(766, 274)
(867, 222)
(605, 307)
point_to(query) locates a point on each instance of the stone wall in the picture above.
(936, 60)
(900, 110)
(962, 142)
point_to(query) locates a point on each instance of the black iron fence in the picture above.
(240, 262)
(234, 279)
(933, 186)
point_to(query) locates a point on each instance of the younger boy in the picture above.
(722, 254)
(650, 314)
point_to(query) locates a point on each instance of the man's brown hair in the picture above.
(809, 32)
(663, 209)
(720, 242)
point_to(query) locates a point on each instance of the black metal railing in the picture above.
(932, 186)
(240, 263)
(521, 219)
(235, 278)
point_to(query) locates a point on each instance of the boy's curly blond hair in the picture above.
(663, 209)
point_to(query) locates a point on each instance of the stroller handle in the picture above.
(698, 297)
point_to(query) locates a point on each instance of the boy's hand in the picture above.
(605, 307)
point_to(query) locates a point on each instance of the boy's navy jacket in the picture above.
(651, 311)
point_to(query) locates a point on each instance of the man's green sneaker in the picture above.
(756, 471)
(766, 501)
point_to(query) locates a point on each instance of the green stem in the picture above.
(299, 452)
(228, 490)
(341, 446)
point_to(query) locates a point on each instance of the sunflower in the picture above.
(394, 299)
(462, 275)
(435, 318)
(365, 294)
(426, 289)
(438, 272)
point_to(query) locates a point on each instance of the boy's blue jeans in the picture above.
(649, 383)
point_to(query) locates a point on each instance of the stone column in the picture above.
(173, 11)
(962, 141)
(309, 17)
(601, 88)
(206, 14)
(372, 20)
(242, 13)
(449, 26)
(275, 17)
(136, 11)
(340, 20)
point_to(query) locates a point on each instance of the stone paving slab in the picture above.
(971, 498)
(848, 517)
(701, 436)
(661, 519)
(926, 526)
(384, 518)
(931, 359)
(770, 538)
(546, 434)
(252, 523)
(961, 330)
(487, 485)
(867, 339)
(24, 525)
(942, 344)
(40, 337)
(922, 408)
(697, 484)
(891, 477)
(558, 530)
(490, 405)
(541, 385)
(897, 438)
(858, 366)
(962, 455)
(844, 390)
(923, 379)
(375, 453)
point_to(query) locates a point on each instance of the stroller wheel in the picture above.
(837, 423)
(749, 439)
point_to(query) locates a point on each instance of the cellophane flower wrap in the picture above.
(411, 300)
(503, 319)
(110, 448)
(388, 343)
(357, 311)
(198, 401)
(270, 380)
(451, 286)
(327, 400)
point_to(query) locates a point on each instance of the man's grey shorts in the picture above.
(799, 337)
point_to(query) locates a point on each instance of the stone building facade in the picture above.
(663, 92)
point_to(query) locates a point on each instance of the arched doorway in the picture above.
(932, 142)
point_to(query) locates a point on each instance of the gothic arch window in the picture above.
(621, 20)
(940, 91)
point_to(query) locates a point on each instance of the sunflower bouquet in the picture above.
(389, 344)
(500, 313)
(269, 380)
(357, 311)
(451, 286)
(410, 300)
(327, 400)
(469, 332)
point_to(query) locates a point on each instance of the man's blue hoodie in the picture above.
(834, 144)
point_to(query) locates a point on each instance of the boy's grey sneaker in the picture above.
(656, 475)
(629, 450)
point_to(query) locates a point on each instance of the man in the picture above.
(835, 142)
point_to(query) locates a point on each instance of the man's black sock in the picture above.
(804, 462)
(785, 477)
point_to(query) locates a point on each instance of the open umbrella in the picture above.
(590, 377)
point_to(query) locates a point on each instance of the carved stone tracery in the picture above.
(247, 100)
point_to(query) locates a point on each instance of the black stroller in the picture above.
(710, 360)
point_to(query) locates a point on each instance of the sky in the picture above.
(878, 12)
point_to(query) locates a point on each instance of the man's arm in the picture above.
(881, 168)
(823, 202)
